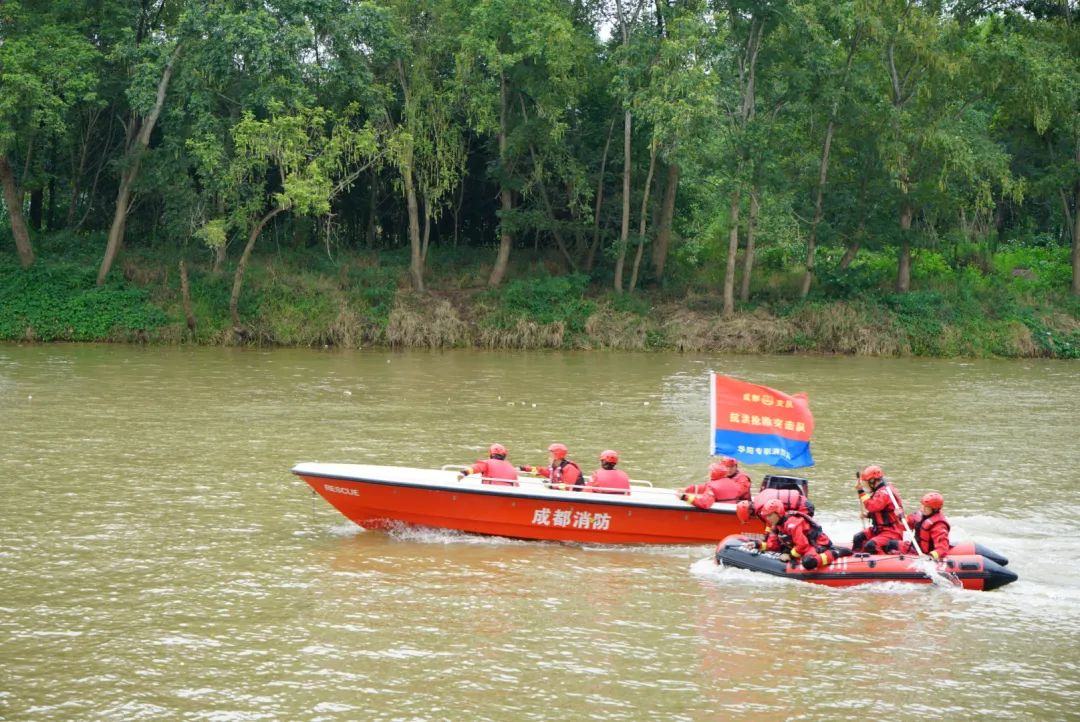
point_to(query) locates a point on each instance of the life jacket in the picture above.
(499, 472)
(816, 536)
(924, 531)
(887, 518)
(613, 481)
(791, 499)
(556, 471)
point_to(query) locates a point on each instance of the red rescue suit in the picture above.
(797, 534)
(932, 532)
(564, 474)
(494, 471)
(735, 486)
(885, 524)
(608, 481)
(724, 489)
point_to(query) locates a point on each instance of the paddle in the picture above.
(862, 509)
(932, 568)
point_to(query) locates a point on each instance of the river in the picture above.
(159, 561)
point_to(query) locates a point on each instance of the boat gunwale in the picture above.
(618, 500)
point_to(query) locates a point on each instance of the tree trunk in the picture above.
(644, 215)
(903, 266)
(370, 235)
(241, 266)
(624, 232)
(135, 152)
(457, 211)
(425, 238)
(748, 258)
(811, 242)
(185, 296)
(506, 199)
(1076, 240)
(416, 254)
(732, 254)
(667, 217)
(13, 199)
(849, 256)
(599, 202)
(416, 260)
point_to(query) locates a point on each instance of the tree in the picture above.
(507, 46)
(1038, 61)
(47, 68)
(294, 162)
(154, 49)
(851, 31)
(935, 137)
(426, 142)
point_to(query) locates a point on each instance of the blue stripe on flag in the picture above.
(762, 449)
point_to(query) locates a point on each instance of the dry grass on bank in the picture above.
(623, 331)
(524, 335)
(843, 328)
(757, 332)
(436, 327)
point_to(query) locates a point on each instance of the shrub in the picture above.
(62, 303)
(543, 300)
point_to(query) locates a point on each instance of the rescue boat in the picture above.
(969, 565)
(384, 497)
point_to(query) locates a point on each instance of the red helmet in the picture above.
(729, 461)
(871, 473)
(934, 500)
(497, 449)
(717, 471)
(612, 457)
(559, 450)
(773, 506)
(742, 511)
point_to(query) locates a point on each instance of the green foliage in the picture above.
(545, 300)
(628, 303)
(1034, 269)
(61, 303)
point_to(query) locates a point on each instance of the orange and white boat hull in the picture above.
(379, 497)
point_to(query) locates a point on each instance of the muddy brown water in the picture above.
(158, 560)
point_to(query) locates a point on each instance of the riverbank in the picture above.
(357, 299)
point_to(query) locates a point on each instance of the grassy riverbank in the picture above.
(1018, 308)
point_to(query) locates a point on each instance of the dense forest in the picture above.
(894, 176)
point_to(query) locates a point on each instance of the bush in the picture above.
(543, 300)
(62, 303)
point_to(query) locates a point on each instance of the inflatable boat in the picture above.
(969, 565)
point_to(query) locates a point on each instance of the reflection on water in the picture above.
(159, 561)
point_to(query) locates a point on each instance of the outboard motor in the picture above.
(796, 483)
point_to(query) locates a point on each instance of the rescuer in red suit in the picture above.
(719, 487)
(792, 500)
(797, 536)
(736, 482)
(607, 479)
(494, 470)
(931, 527)
(561, 473)
(878, 507)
